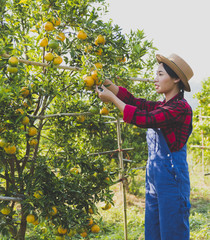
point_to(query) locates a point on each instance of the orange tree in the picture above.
(46, 160)
(201, 130)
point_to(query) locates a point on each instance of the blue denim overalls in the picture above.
(167, 191)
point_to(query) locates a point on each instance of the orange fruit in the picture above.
(81, 118)
(19, 110)
(25, 120)
(5, 211)
(13, 61)
(54, 44)
(74, 170)
(89, 81)
(30, 218)
(32, 131)
(107, 206)
(81, 35)
(60, 238)
(49, 57)
(88, 48)
(33, 142)
(27, 103)
(48, 26)
(24, 92)
(11, 69)
(90, 210)
(10, 149)
(62, 230)
(94, 74)
(54, 211)
(43, 42)
(98, 65)
(83, 234)
(100, 40)
(56, 21)
(99, 52)
(90, 222)
(95, 228)
(104, 111)
(61, 36)
(122, 59)
(36, 222)
(38, 194)
(57, 60)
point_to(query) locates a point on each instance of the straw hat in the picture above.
(179, 66)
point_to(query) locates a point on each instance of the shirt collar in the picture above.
(177, 97)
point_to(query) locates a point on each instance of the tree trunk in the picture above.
(23, 224)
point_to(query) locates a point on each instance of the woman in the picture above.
(169, 125)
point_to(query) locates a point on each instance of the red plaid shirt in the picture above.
(174, 117)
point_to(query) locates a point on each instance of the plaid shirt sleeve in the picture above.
(140, 103)
(174, 118)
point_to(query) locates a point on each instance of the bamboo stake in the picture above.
(111, 151)
(69, 68)
(60, 114)
(122, 176)
(44, 64)
(10, 199)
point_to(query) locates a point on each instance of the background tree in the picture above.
(47, 161)
(201, 130)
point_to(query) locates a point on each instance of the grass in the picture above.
(112, 225)
(111, 221)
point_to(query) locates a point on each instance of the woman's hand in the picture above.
(105, 95)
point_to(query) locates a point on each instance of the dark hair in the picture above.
(172, 74)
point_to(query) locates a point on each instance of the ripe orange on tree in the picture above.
(25, 120)
(11, 69)
(81, 35)
(99, 52)
(56, 21)
(49, 57)
(53, 211)
(13, 61)
(100, 40)
(43, 42)
(104, 111)
(88, 48)
(36, 222)
(48, 26)
(98, 65)
(38, 194)
(95, 228)
(61, 36)
(32, 131)
(25, 92)
(81, 118)
(107, 206)
(83, 234)
(5, 210)
(19, 110)
(89, 81)
(30, 218)
(57, 60)
(62, 230)
(90, 222)
(33, 142)
(90, 210)
(10, 149)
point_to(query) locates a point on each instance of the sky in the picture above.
(175, 26)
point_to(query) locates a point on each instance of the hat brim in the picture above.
(176, 69)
